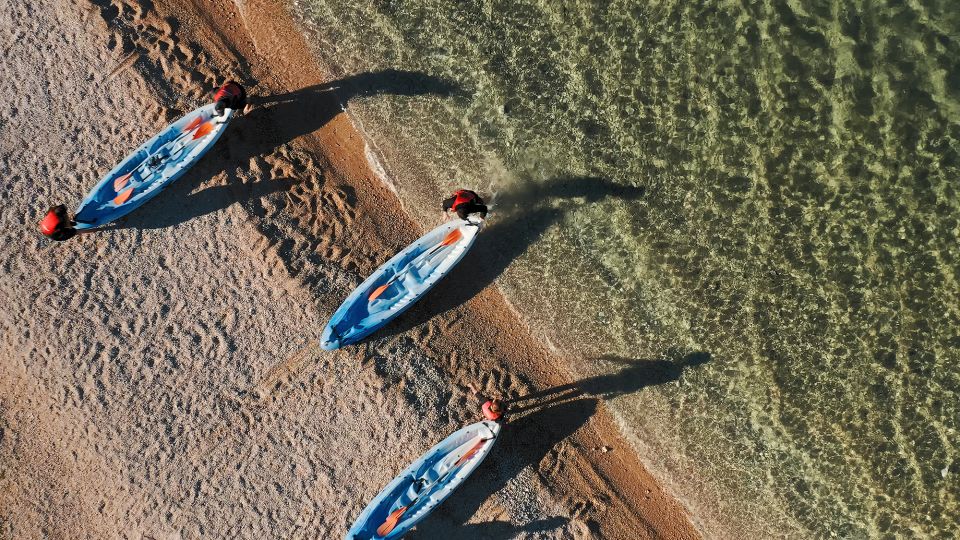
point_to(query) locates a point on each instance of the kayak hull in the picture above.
(444, 462)
(153, 166)
(400, 282)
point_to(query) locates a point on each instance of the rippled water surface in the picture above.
(773, 183)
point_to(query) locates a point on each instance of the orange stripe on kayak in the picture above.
(121, 181)
(203, 130)
(378, 291)
(452, 237)
(123, 197)
(193, 124)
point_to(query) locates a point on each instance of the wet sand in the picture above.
(162, 377)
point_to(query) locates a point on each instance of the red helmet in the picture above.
(52, 222)
(56, 224)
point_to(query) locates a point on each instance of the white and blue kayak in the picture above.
(426, 483)
(400, 282)
(156, 164)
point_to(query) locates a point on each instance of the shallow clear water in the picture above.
(774, 184)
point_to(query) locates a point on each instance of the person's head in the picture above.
(56, 224)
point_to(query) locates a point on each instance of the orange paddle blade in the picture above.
(203, 130)
(378, 291)
(391, 521)
(452, 237)
(121, 181)
(193, 124)
(123, 197)
(476, 448)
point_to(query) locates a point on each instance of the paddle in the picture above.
(202, 127)
(451, 238)
(391, 522)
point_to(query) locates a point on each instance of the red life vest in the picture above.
(488, 410)
(463, 196)
(229, 90)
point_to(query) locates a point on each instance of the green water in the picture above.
(798, 221)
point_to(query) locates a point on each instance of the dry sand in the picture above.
(161, 379)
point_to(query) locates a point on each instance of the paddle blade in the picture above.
(378, 291)
(123, 197)
(476, 448)
(391, 522)
(121, 181)
(203, 130)
(193, 124)
(452, 237)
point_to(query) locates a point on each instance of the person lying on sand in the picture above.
(464, 202)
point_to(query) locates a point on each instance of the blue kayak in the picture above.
(400, 282)
(155, 165)
(426, 483)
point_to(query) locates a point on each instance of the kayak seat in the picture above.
(413, 491)
(412, 280)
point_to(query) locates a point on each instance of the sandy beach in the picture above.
(162, 378)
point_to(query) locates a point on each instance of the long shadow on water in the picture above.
(528, 211)
(547, 418)
(633, 376)
(274, 121)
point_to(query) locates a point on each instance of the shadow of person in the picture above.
(633, 377)
(523, 442)
(520, 217)
(276, 120)
(394, 82)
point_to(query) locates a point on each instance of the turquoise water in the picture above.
(772, 183)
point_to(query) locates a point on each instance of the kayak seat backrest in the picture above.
(411, 494)
(412, 280)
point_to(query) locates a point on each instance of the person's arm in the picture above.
(448, 203)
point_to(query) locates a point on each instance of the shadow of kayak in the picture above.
(523, 442)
